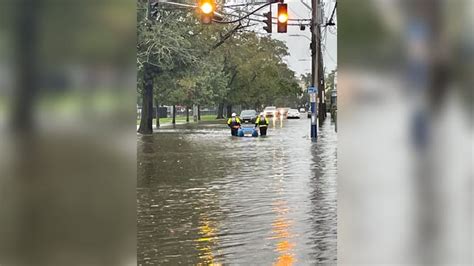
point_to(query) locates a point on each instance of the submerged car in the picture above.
(293, 113)
(248, 116)
(270, 111)
(247, 130)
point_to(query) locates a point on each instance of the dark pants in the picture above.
(233, 131)
(263, 131)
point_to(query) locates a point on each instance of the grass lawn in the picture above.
(182, 119)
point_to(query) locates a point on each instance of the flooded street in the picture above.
(205, 197)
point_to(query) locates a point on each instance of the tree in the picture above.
(330, 81)
(160, 49)
(195, 64)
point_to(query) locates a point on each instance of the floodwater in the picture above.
(205, 197)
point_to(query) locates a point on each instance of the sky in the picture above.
(298, 45)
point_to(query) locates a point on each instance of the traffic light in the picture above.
(206, 8)
(152, 9)
(268, 22)
(282, 18)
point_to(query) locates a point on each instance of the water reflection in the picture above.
(277, 121)
(206, 198)
(281, 228)
(207, 241)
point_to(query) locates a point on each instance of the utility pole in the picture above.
(321, 97)
(314, 68)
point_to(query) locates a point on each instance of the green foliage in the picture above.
(211, 64)
(330, 82)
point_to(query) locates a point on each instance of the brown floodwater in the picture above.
(205, 197)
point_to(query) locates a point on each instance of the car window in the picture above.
(248, 112)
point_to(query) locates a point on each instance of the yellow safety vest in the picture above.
(258, 122)
(230, 121)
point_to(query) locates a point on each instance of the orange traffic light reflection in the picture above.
(281, 232)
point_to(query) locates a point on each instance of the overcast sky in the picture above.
(299, 46)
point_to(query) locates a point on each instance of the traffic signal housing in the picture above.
(282, 18)
(268, 22)
(152, 9)
(207, 8)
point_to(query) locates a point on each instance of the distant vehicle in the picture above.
(248, 116)
(293, 113)
(302, 110)
(270, 111)
(283, 111)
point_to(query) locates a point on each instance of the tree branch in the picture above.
(226, 36)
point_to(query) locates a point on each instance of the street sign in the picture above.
(311, 89)
(312, 97)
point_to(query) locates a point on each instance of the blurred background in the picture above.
(67, 119)
(68, 125)
(405, 132)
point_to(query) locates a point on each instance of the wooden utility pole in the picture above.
(320, 73)
(314, 66)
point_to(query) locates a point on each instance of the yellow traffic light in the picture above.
(206, 8)
(282, 18)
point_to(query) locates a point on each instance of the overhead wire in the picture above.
(252, 17)
(246, 16)
(260, 15)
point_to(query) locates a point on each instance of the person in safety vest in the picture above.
(262, 123)
(234, 124)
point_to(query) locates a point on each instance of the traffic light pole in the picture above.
(314, 69)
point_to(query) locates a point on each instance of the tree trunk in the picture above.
(157, 113)
(187, 114)
(26, 58)
(229, 110)
(257, 106)
(199, 113)
(173, 121)
(195, 113)
(146, 121)
(220, 111)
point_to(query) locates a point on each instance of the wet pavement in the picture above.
(205, 197)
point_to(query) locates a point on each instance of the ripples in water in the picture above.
(205, 197)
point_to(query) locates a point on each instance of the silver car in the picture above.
(293, 113)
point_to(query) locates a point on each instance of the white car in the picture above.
(293, 113)
(270, 111)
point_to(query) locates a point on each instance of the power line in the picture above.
(247, 16)
(260, 15)
(274, 23)
(331, 21)
(252, 18)
(296, 13)
(241, 18)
